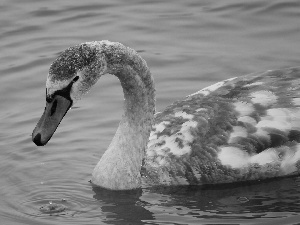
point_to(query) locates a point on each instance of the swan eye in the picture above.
(53, 108)
(75, 79)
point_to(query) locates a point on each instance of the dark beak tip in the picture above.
(37, 140)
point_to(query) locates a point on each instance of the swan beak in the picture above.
(53, 114)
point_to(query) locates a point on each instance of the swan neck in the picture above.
(119, 167)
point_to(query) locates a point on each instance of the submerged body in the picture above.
(241, 129)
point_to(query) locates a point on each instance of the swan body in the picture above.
(241, 129)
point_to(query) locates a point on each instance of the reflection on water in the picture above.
(188, 45)
(233, 202)
(122, 206)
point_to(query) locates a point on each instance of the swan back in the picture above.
(243, 128)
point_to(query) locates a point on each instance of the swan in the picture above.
(241, 129)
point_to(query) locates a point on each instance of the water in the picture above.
(188, 45)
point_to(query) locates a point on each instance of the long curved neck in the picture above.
(119, 167)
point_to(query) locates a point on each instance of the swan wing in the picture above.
(240, 129)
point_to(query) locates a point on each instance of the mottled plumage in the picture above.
(244, 128)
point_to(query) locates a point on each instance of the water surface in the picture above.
(188, 45)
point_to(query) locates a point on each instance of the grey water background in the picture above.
(188, 45)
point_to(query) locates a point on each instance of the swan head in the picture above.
(78, 68)
(70, 76)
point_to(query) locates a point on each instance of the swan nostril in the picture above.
(53, 108)
(37, 140)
